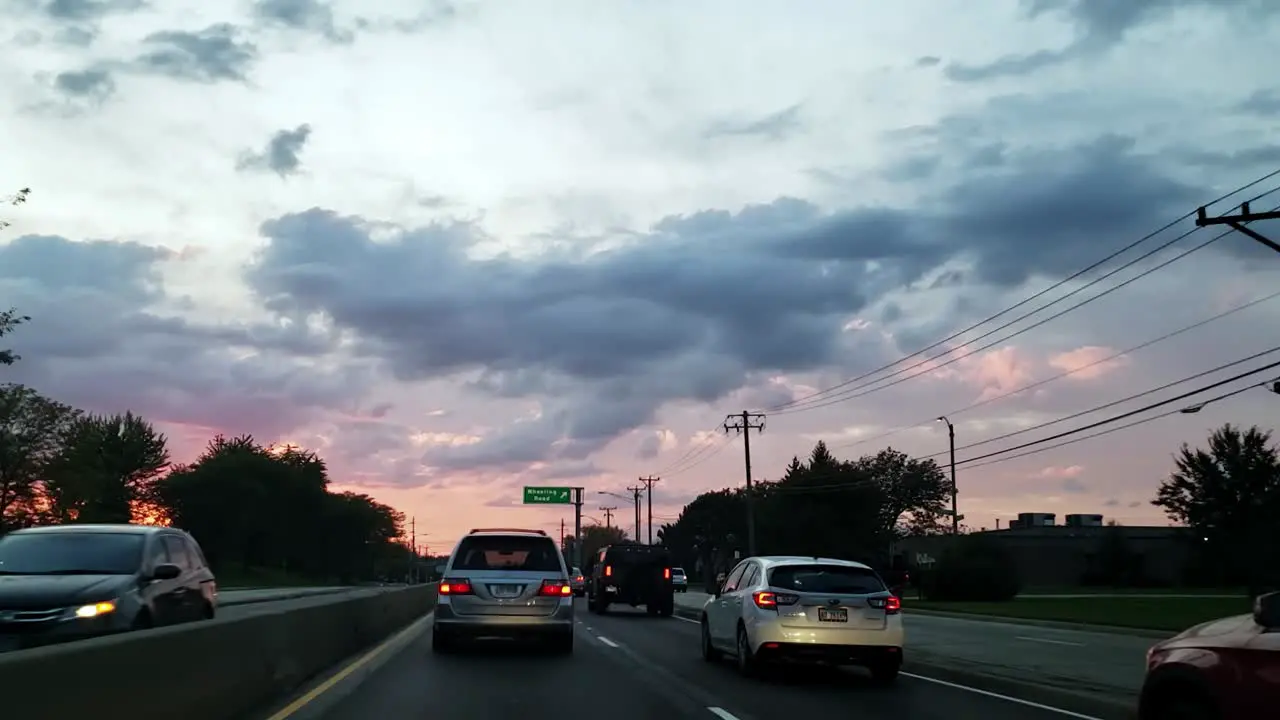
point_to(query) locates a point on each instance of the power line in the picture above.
(820, 393)
(1067, 373)
(1122, 416)
(867, 388)
(1111, 404)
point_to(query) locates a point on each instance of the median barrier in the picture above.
(213, 670)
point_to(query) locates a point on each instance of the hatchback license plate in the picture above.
(833, 614)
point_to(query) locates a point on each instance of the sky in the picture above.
(462, 248)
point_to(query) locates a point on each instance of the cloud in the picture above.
(306, 15)
(657, 442)
(775, 126)
(1067, 472)
(281, 155)
(1088, 363)
(216, 53)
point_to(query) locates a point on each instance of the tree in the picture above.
(9, 321)
(15, 200)
(105, 467)
(1229, 496)
(31, 430)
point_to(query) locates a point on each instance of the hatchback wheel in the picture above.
(746, 659)
(709, 652)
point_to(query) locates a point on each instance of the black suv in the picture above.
(632, 574)
(67, 582)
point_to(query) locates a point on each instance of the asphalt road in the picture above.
(1106, 666)
(628, 666)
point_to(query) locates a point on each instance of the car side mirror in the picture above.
(165, 571)
(1266, 611)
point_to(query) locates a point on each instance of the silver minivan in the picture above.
(505, 583)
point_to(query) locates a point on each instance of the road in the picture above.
(1094, 664)
(628, 666)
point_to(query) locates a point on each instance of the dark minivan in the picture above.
(69, 582)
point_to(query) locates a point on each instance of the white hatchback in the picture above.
(805, 609)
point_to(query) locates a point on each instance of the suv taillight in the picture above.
(891, 605)
(455, 587)
(555, 588)
(608, 571)
(769, 600)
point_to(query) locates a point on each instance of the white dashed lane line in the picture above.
(606, 641)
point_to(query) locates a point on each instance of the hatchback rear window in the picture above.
(496, 552)
(835, 579)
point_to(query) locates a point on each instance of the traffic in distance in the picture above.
(768, 616)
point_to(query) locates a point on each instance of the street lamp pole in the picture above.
(955, 513)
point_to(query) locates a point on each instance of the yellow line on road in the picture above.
(315, 692)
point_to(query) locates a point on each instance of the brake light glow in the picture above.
(768, 600)
(891, 605)
(666, 573)
(608, 571)
(555, 588)
(455, 587)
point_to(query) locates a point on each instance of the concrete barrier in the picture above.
(216, 670)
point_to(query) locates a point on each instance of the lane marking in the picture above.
(1006, 698)
(1047, 640)
(607, 641)
(310, 697)
(722, 713)
(695, 622)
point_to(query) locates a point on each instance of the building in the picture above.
(1071, 555)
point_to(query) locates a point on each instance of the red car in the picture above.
(1226, 669)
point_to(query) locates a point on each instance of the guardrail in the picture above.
(217, 670)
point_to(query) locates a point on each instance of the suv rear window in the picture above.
(835, 579)
(510, 552)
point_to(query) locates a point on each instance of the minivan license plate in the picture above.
(833, 614)
(507, 591)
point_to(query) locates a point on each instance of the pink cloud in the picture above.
(1087, 362)
(996, 372)
(1064, 472)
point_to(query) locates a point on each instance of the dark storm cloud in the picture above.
(1099, 25)
(311, 16)
(281, 155)
(703, 304)
(213, 54)
(1265, 103)
(95, 84)
(95, 341)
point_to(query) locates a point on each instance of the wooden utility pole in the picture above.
(1237, 223)
(608, 516)
(743, 423)
(635, 498)
(648, 490)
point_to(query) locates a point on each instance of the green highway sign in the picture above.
(548, 495)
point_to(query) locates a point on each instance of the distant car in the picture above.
(68, 582)
(632, 574)
(1220, 670)
(506, 583)
(679, 581)
(578, 582)
(806, 610)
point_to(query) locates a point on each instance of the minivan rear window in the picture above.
(834, 579)
(497, 552)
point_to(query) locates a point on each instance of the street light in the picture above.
(955, 514)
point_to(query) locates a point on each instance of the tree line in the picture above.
(258, 510)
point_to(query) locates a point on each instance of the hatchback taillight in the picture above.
(769, 600)
(891, 605)
(555, 588)
(455, 587)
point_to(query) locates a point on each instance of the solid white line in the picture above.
(1007, 698)
(722, 713)
(1047, 640)
(695, 622)
(607, 641)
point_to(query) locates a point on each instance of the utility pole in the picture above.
(1237, 221)
(955, 514)
(577, 526)
(648, 490)
(561, 534)
(608, 516)
(635, 498)
(744, 423)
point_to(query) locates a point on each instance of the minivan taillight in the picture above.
(769, 600)
(891, 605)
(555, 588)
(455, 587)
(666, 573)
(608, 571)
